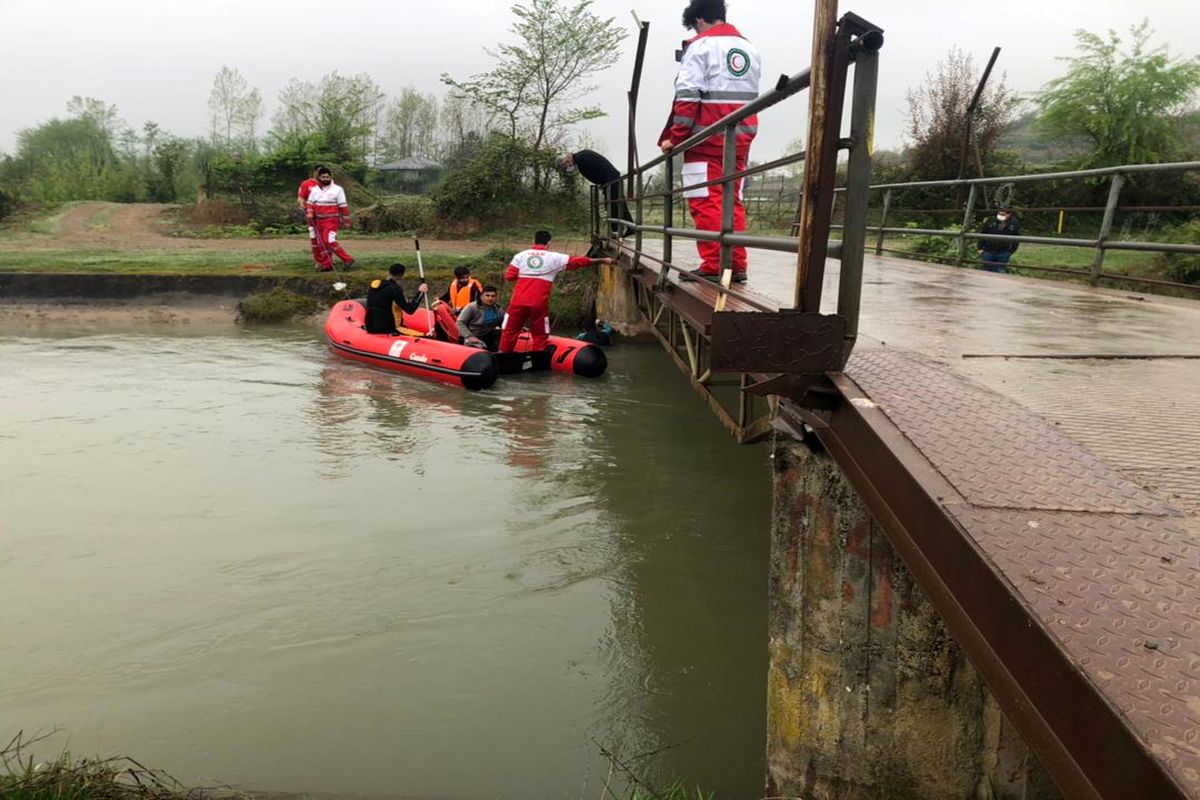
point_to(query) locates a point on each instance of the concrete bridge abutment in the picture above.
(868, 694)
(616, 302)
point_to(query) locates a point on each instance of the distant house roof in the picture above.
(417, 163)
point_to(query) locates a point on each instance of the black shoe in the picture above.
(739, 277)
(349, 264)
(697, 275)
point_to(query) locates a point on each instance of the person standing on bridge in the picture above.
(995, 253)
(534, 270)
(719, 72)
(307, 186)
(598, 170)
(328, 212)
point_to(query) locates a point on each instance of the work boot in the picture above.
(739, 277)
(696, 275)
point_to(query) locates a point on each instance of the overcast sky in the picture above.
(156, 60)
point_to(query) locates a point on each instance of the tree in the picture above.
(539, 79)
(234, 109)
(410, 126)
(1129, 106)
(342, 111)
(937, 113)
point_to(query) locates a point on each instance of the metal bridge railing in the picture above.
(856, 42)
(1101, 243)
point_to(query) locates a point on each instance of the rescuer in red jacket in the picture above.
(534, 270)
(327, 212)
(719, 72)
(302, 199)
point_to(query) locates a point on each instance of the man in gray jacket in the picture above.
(479, 322)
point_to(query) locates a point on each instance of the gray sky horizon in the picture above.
(156, 61)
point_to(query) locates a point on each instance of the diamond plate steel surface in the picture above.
(1118, 591)
(1105, 567)
(995, 453)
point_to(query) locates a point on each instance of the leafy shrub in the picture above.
(396, 214)
(934, 248)
(277, 305)
(8, 203)
(1182, 267)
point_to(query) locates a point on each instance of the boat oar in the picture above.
(421, 272)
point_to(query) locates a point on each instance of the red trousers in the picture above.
(705, 205)
(517, 318)
(326, 245)
(315, 244)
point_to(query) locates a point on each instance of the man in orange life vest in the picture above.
(534, 270)
(302, 199)
(327, 212)
(461, 292)
(719, 72)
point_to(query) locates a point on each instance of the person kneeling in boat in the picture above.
(385, 296)
(479, 322)
(534, 270)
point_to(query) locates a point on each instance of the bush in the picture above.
(8, 203)
(934, 248)
(1181, 267)
(397, 214)
(277, 305)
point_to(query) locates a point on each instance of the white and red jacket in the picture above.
(327, 202)
(718, 74)
(534, 270)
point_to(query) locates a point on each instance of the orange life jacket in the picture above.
(460, 296)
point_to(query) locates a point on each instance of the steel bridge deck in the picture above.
(1050, 508)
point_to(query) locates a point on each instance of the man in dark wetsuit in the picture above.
(597, 169)
(383, 293)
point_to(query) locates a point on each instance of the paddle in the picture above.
(421, 272)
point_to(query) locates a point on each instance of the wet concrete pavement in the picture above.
(1140, 416)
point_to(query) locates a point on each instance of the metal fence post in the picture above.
(887, 202)
(968, 214)
(595, 223)
(637, 236)
(668, 217)
(728, 167)
(1110, 211)
(858, 178)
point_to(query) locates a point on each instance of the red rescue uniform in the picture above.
(327, 210)
(302, 195)
(718, 74)
(534, 270)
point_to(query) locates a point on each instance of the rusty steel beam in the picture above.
(1080, 738)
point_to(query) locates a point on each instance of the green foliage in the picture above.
(1181, 267)
(498, 185)
(1128, 106)
(277, 305)
(937, 113)
(8, 203)
(938, 249)
(407, 213)
(537, 79)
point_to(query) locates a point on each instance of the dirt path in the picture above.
(143, 226)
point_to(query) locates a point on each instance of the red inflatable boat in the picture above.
(455, 364)
(569, 356)
(411, 355)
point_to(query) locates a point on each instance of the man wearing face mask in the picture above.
(995, 253)
(327, 212)
(597, 169)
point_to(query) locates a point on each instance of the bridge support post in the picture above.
(616, 302)
(868, 694)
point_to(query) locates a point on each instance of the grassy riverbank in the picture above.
(65, 778)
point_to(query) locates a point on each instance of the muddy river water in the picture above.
(237, 558)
